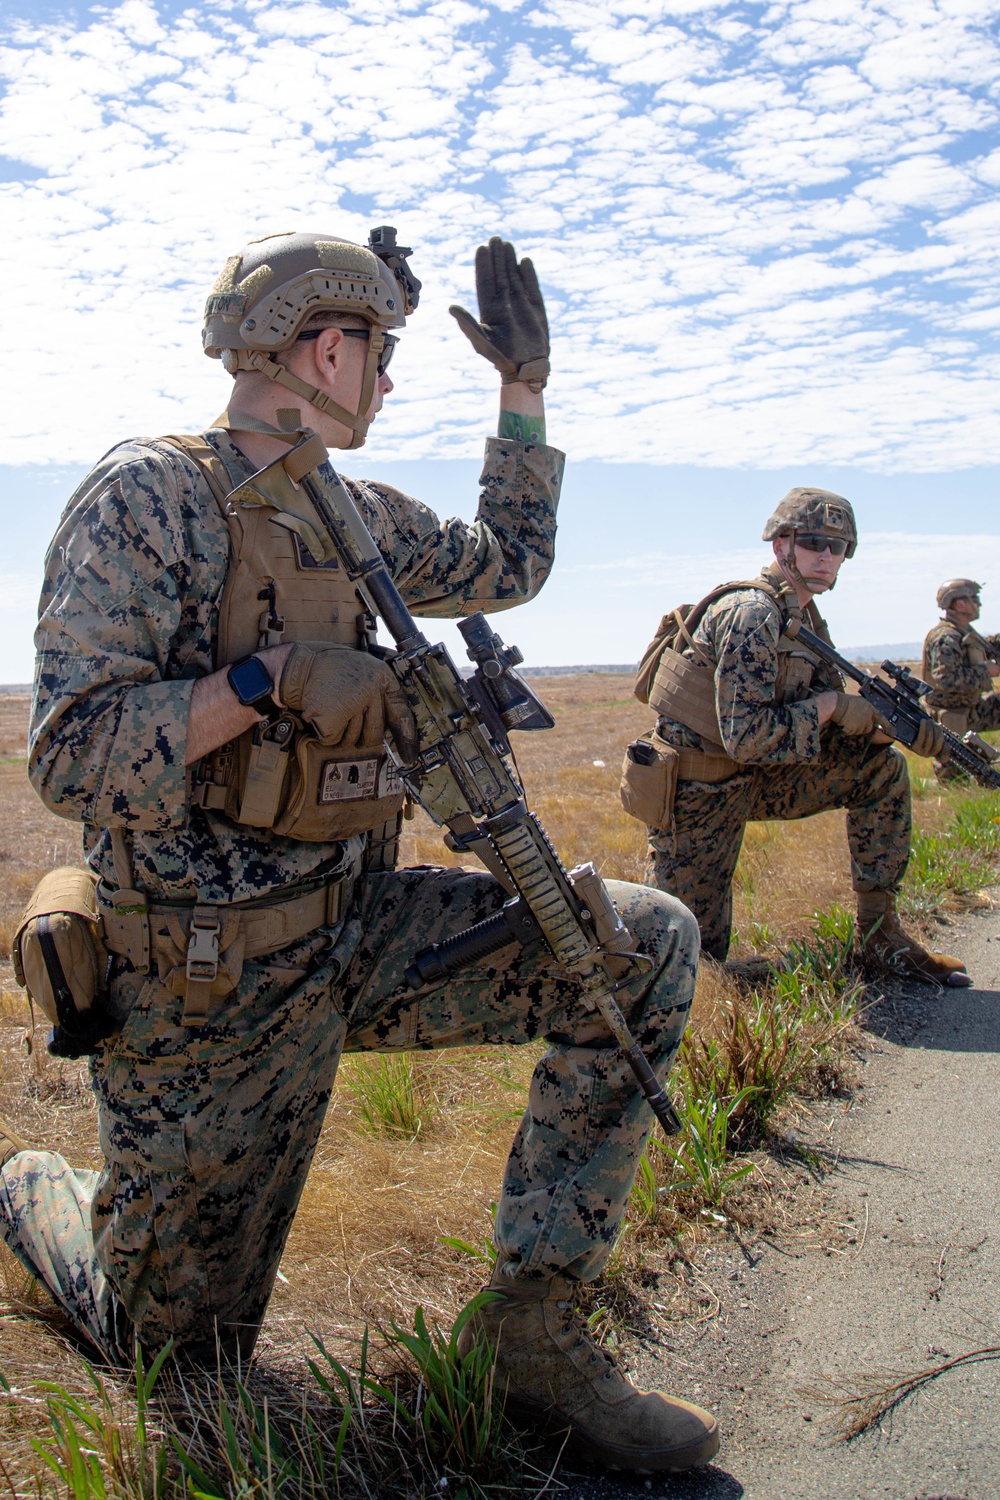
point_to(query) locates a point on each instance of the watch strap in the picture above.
(261, 703)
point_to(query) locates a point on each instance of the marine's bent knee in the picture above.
(663, 928)
(890, 771)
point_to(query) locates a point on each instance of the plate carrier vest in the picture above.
(278, 589)
(682, 688)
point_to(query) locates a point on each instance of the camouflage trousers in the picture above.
(981, 717)
(208, 1132)
(696, 863)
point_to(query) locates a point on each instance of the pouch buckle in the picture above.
(203, 945)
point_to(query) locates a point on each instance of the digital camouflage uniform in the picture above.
(208, 1131)
(955, 664)
(789, 768)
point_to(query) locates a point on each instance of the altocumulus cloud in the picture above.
(768, 232)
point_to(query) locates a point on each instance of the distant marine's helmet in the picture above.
(265, 295)
(816, 513)
(957, 588)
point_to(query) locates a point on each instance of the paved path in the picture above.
(918, 1175)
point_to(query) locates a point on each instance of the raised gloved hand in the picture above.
(930, 740)
(853, 715)
(513, 331)
(348, 698)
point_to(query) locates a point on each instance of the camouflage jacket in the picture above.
(740, 634)
(954, 663)
(133, 581)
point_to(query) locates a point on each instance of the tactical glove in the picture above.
(853, 715)
(348, 698)
(513, 331)
(930, 740)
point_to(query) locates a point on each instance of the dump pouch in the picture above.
(60, 959)
(649, 780)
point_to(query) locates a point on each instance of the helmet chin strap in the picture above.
(254, 359)
(791, 568)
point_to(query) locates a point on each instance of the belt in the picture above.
(703, 765)
(200, 947)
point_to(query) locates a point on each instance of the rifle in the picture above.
(462, 777)
(900, 710)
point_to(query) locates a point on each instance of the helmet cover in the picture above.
(819, 512)
(957, 588)
(263, 296)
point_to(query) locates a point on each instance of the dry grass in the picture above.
(862, 1402)
(367, 1243)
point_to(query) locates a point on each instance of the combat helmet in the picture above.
(957, 588)
(819, 512)
(264, 295)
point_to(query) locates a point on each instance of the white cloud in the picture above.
(766, 236)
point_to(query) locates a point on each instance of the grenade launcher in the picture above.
(463, 779)
(900, 709)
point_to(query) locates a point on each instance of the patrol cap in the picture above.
(820, 512)
(957, 588)
(263, 296)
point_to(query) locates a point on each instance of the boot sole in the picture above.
(607, 1455)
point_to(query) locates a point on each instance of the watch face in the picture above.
(250, 680)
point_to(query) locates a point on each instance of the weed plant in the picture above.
(433, 1424)
(391, 1099)
(703, 1169)
(950, 865)
(785, 1038)
(97, 1450)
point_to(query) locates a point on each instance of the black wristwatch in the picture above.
(253, 685)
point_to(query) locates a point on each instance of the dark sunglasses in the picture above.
(390, 340)
(813, 543)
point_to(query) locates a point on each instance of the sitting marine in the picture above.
(961, 665)
(752, 727)
(210, 707)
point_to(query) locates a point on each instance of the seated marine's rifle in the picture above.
(461, 775)
(900, 710)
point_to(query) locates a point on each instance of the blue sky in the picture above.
(768, 237)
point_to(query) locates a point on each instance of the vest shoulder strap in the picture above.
(204, 456)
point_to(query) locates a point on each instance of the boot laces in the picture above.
(574, 1322)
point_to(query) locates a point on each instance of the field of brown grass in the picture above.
(367, 1243)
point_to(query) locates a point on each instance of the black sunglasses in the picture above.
(813, 543)
(390, 340)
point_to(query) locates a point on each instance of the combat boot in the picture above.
(10, 1144)
(886, 947)
(554, 1378)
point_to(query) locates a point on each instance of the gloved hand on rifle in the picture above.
(854, 715)
(513, 331)
(348, 698)
(929, 741)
